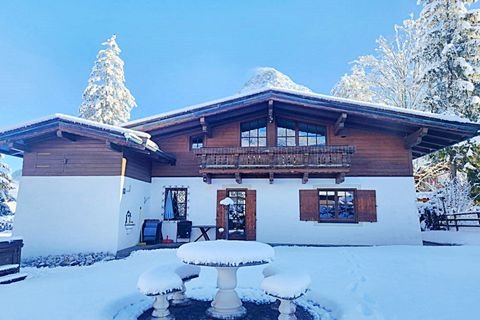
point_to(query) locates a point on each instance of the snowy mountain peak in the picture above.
(266, 77)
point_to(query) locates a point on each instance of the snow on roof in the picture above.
(197, 107)
(77, 120)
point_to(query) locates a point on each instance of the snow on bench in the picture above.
(270, 270)
(186, 271)
(159, 281)
(286, 287)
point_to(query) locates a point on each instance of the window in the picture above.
(291, 133)
(178, 196)
(196, 142)
(286, 133)
(310, 135)
(236, 219)
(336, 205)
(254, 133)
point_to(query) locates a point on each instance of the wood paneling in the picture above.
(366, 205)
(309, 205)
(251, 215)
(62, 157)
(138, 167)
(377, 153)
(221, 194)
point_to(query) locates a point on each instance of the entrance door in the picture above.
(242, 214)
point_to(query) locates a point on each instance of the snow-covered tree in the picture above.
(391, 76)
(6, 185)
(354, 86)
(449, 51)
(106, 98)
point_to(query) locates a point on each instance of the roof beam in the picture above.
(205, 127)
(340, 123)
(415, 138)
(270, 111)
(66, 135)
(340, 178)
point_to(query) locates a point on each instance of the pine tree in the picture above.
(448, 49)
(6, 185)
(106, 98)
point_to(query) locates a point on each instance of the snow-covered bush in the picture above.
(65, 260)
(453, 196)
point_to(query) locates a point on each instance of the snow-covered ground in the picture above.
(391, 282)
(463, 237)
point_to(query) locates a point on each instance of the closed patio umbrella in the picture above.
(168, 214)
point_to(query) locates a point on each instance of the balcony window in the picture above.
(254, 133)
(196, 143)
(286, 136)
(311, 135)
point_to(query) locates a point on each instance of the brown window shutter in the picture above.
(221, 194)
(251, 215)
(309, 210)
(366, 205)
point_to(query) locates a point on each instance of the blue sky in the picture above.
(178, 53)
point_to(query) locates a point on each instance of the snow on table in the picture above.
(229, 253)
(158, 281)
(286, 286)
(187, 271)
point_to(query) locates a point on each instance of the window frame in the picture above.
(192, 138)
(336, 219)
(176, 217)
(258, 137)
(297, 125)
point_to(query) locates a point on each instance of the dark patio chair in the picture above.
(184, 229)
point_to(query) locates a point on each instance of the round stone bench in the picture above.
(159, 282)
(286, 287)
(186, 272)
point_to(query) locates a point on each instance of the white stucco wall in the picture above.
(58, 215)
(278, 209)
(135, 199)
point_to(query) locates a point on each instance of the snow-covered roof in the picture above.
(271, 89)
(76, 120)
(124, 136)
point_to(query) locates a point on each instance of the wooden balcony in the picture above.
(275, 160)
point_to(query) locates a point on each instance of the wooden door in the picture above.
(242, 214)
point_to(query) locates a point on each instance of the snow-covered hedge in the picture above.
(65, 260)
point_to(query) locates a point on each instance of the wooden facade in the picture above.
(62, 157)
(376, 153)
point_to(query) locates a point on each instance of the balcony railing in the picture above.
(317, 158)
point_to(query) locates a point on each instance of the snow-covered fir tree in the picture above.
(106, 98)
(449, 51)
(391, 76)
(6, 185)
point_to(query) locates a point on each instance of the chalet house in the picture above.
(301, 168)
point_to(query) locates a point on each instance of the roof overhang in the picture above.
(18, 139)
(423, 132)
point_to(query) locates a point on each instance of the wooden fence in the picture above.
(461, 220)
